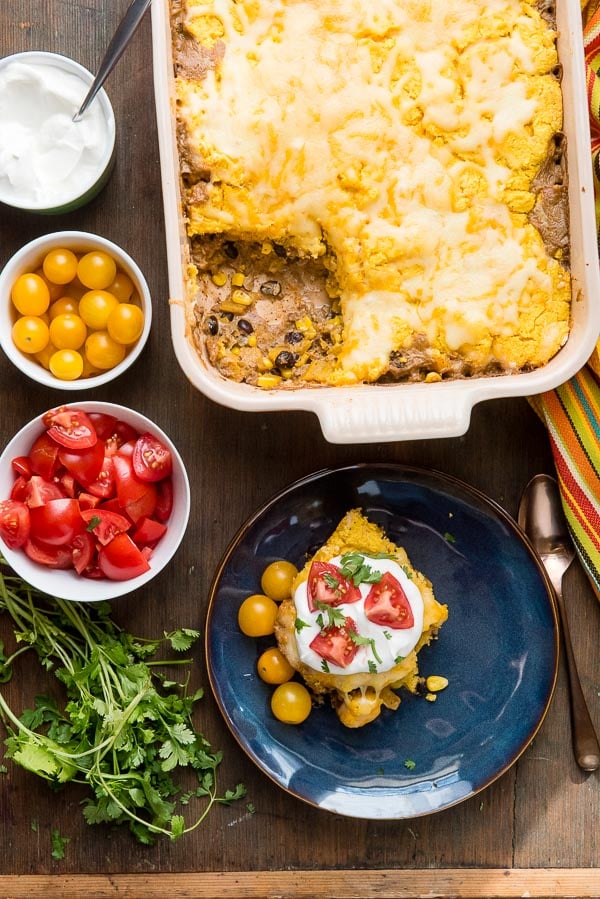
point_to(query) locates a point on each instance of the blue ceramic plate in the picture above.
(499, 647)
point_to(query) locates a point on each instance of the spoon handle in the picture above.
(125, 31)
(585, 741)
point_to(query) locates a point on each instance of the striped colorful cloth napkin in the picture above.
(571, 412)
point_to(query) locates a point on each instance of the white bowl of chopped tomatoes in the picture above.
(94, 501)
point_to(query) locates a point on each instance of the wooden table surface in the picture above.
(533, 832)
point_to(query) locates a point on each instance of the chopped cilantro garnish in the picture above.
(93, 522)
(372, 667)
(399, 659)
(299, 624)
(410, 764)
(365, 641)
(335, 618)
(387, 635)
(324, 666)
(356, 569)
(332, 582)
(449, 537)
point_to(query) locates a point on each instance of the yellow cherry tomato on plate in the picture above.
(291, 703)
(30, 294)
(102, 351)
(95, 306)
(125, 323)
(66, 365)
(277, 579)
(273, 667)
(30, 334)
(60, 265)
(256, 616)
(96, 270)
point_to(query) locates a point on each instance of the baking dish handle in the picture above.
(413, 412)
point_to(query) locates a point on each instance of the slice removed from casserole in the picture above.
(358, 616)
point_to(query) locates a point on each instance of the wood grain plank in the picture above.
(497, 883)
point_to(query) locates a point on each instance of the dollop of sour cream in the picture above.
(46, 159)
(388, 646)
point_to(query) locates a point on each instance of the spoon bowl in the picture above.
(542, 518)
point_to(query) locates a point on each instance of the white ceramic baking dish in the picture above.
(373, 413)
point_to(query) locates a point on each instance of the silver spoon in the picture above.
(125, 31)
(542, 518)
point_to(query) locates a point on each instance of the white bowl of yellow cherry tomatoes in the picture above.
(94, 501)
(75, 310)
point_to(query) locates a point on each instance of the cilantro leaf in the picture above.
(58, 844)
(357, 570)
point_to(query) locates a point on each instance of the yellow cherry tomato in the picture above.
(63, 305)
(75, 290)
(89, 370)
(273, 667)
(55, 290)
(95, 306)
(44, 356)
(102, 351)
(30, 334)
(60, 265)
(66, 365)
(96, 270)
(68, 332)
(291, 703)
(30, 294)
(277, 579)
(125, 323)
(121, 287)
(256, 616)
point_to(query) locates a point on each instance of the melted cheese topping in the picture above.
(399, 140)
(389, 645)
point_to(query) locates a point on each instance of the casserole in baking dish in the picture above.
(407, 228)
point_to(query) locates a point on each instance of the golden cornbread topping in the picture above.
(362, 188)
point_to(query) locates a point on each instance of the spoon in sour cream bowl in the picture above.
(121, 38)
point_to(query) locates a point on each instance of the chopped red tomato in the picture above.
(83, 549)
(43, 456)
(104, 424)
(57, 522)
(104, 484)
(121, 560)
(38, 491)
(137, 498)
(152, 460)
(22, 466)
(328, 585)
(164, 499)
(122, 433)
(19, 489)
(388, 605)
(50, 556)
(104, 525)
(148, 531)
(335, 644)
(87, 501)
(70, 427)
(14, 523)
(67, 482)
(85, 465)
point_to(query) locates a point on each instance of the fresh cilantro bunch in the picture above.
(124, 728)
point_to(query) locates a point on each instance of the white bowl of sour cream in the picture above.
(48, 163)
